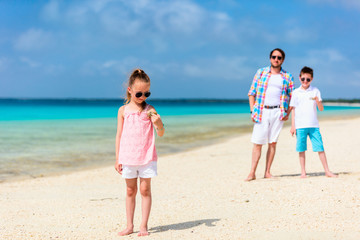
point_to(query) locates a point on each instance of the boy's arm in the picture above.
(319, 104)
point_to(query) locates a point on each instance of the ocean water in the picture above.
(42, 137)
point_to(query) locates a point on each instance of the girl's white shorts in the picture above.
(268, 130)
(148, 170)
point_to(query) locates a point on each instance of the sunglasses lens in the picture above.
(138, 94)
(278, 57)
(307, 79)
(147, 94)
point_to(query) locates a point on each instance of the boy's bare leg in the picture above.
(323, 160)
(145, 190)
(302, 164)
(256, 154)
(269, 159)
(131, 189)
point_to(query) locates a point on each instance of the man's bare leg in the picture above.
(269, 159)
(256, 154)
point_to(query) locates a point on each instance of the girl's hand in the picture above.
(156, 120)
(118, 167)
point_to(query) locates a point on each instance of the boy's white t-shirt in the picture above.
(305, 107)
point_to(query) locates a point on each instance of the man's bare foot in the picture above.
(330, 174)
(268, 175)
(250, 178)
(143, 232)
(126, 231)
(303, 176)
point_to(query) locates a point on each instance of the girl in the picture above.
(135, 147)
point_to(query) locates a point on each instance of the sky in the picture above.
(189, 48)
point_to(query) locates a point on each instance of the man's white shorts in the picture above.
(143, 171)
(268, 130)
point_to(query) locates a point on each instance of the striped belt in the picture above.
(271, 107)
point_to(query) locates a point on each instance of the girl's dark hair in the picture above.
(280, 50)
(307, 70)
(137, 74)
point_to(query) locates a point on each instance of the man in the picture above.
(269, 98)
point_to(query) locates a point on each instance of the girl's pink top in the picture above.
(137, 142)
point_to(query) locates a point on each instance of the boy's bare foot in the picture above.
(330, 174)
(126, 231)
(250, 178)
(143, 232)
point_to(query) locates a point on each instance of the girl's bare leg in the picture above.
(145, 190)
(131, 190)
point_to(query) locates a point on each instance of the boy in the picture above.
(303, 104)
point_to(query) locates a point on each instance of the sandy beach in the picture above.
(200, 194)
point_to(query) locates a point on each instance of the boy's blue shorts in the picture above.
(315, 138)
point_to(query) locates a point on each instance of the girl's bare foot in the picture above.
(330, 174)
(250, 178)
(303, 175)
(143, 232)
(126, 231)
(268, 175)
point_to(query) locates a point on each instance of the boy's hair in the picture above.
(307, 70)
(280, 50)
(137, 74)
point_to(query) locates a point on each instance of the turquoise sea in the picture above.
(42, 137)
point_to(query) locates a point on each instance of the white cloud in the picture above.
(326, 55)
(348, 4)
(225, 68)
(119, 67)
(29, 62)
(297, 34)
(4, 62)
(33, 39)
(51, 11)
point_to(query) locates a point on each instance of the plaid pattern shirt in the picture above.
(258, 90)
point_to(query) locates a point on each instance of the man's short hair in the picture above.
(280, 50)
(307, 70)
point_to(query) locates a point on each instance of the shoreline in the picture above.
(246, 130)
(201, 194)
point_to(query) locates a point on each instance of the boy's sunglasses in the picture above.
(139, 94)
(278, 57)
(307, 79)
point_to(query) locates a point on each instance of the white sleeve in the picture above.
(293, 100)
(318, 94)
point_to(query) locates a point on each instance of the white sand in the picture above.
(200, 194)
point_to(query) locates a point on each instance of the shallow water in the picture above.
(50, 137)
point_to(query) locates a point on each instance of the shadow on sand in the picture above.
(184, 225)
(314, 174)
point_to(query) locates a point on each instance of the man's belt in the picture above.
(271, 107)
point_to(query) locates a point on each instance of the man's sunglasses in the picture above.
(139, 94)
(307, 79)
(278, 57)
